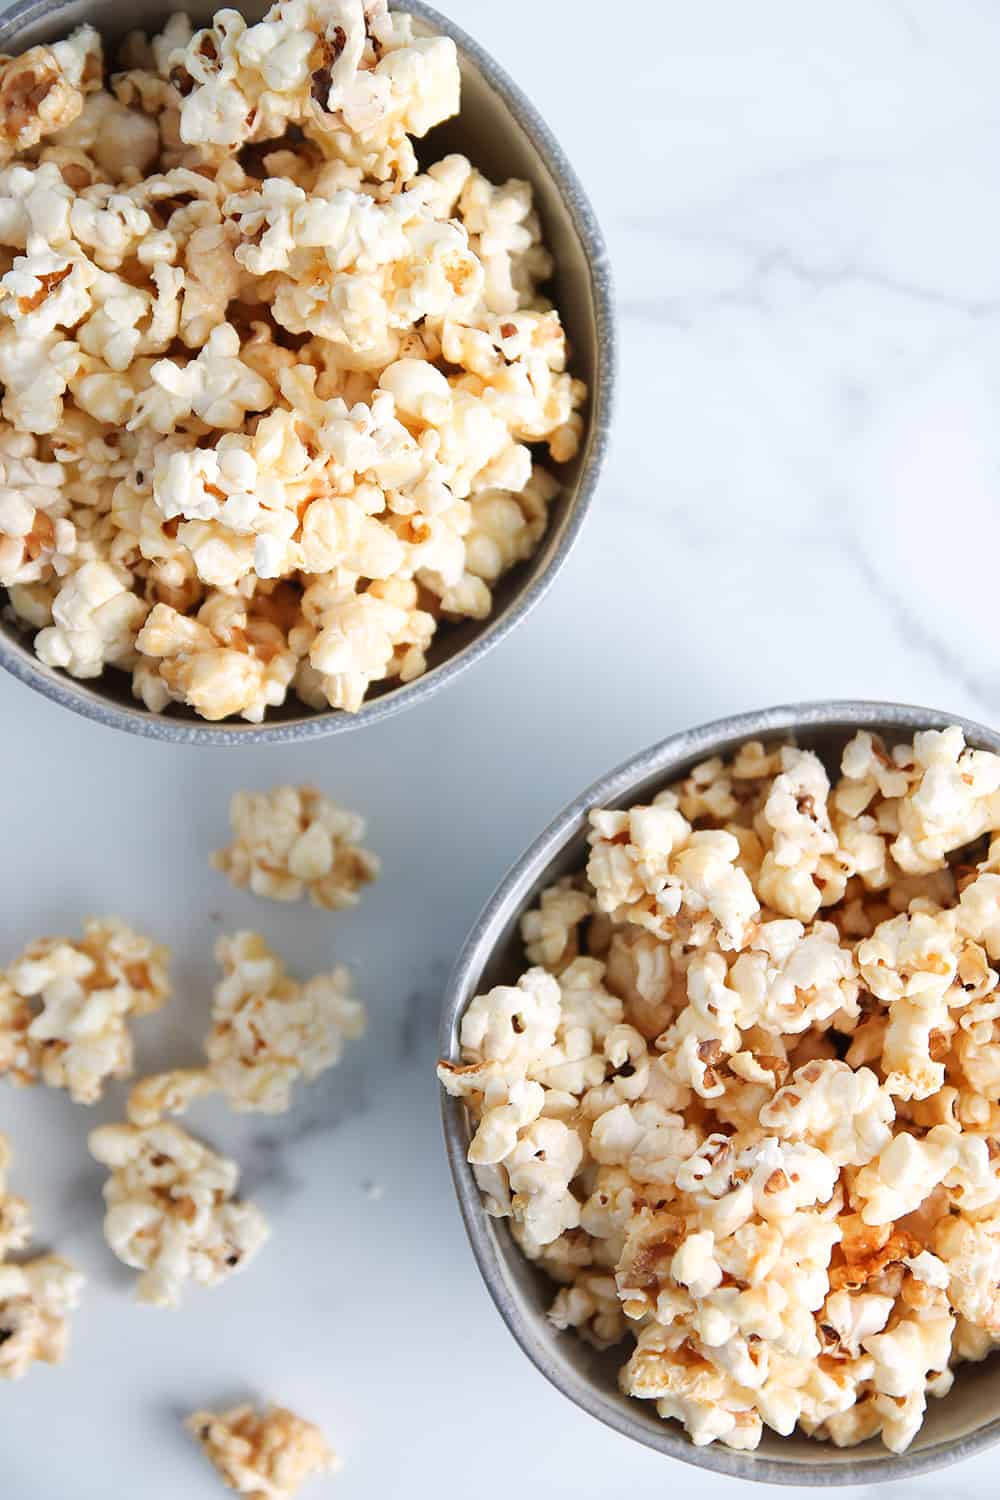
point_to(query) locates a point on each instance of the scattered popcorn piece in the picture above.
(269, 1030)
(171, 1211)
(265, 1455)
(744, 1108)
(170, 1093)
(295, 840)
(35, 1297)
(956, 798)
(15, 1216)
(65, 1006)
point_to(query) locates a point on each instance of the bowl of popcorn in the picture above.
(721, 1070)
(306, 359)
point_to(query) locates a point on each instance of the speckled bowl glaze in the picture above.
(960, 1424)
(504, 135)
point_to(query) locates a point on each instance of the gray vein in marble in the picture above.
(777, 260)
(914, 631)
(911, 25)
(338, 1096)
(421, 1008)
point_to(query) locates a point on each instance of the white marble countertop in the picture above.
(801, 501)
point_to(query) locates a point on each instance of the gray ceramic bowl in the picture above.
(963, 1422)
(504, 135)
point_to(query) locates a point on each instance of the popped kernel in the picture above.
(170, 1093)
(268, 1030)
(65, 1006)
(269, 1453)
(15, 1215)
(35, 1298)
(171, 1209)
(293, 841)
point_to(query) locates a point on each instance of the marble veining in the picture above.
(801, 501)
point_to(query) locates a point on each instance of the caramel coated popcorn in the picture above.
(268, 1029)
(65, 1006)
(15, 1215)
(266, 1455)
(744, 1108)
(35, 1295)
(171, 1209)
(276, 404)
(294, 841)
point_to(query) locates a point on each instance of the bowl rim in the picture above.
(18, 659)
(661, 758)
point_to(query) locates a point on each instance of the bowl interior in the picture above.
(956, 1425)
(499, 133)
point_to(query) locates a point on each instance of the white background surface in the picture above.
(801, 502)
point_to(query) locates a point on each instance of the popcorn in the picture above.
(956, 798)
(840, 1110)
(268, 1029)
(64, 1007)
(35, 1297)
(550, 932)
(910, 957)
(15, 1216)
(686, 1385)
(263, 1454)
(320, 373)
(978, 915)
(45, 290)
(646, 865)
(505, 1033)
(294, 840)
(970, 1252)
(744, 1108)
(171, 1212)
(540, 1169)
(905, 1173)
(651, 1141)
(591, 1307)
(35, 373)
(793, 979)
(361, 639)
(217, 388)
(505, 527)
(41, 91)
(121, 141)
(37, 538)
(507, 1110)
(853, 1316)
(96, 623)
(225, 660)
(170, 1093)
